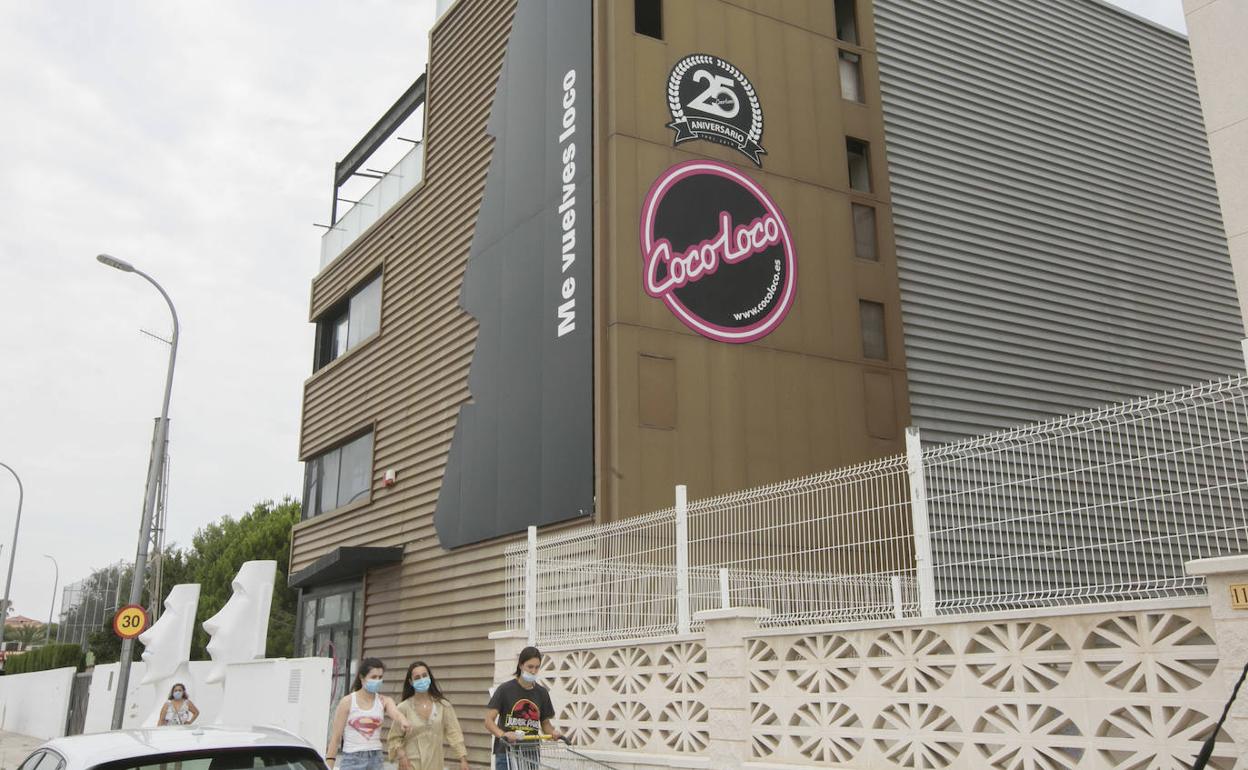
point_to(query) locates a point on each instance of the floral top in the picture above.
(423, 742)
(177, 713)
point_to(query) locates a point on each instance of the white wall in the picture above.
(141, 700)
(36, 704)
(1215, 29)
(293, 694)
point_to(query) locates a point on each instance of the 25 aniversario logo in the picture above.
(711, 99)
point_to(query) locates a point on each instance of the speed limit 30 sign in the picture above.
(130, 621)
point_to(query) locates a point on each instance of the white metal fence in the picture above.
(1103, 506)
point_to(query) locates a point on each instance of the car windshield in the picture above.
(223, 759)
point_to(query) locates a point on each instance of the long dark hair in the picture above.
(409, 690)
(366, 665)
(185, 695)
(527, 654)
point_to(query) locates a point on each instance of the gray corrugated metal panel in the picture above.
(1161, 123)
(1060, 33)
(1045, 230)
(1183, 174)
(1012, 280)
(1059, 240)
(993, 380)
(989, 338)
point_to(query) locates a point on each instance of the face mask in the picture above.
(373, 686)
(530, 678)
(422, 684)
(177, 695)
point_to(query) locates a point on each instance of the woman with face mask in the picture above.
(520, 708)
(357, 721)
(178, 710)
(433, 723)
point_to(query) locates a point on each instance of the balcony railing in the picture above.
(380, 198)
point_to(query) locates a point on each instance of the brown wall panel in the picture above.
(794, 401)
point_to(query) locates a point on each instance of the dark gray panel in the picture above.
(522, 453)
(1059, 240)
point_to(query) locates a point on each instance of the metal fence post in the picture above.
(530, 587)
(725, 600)
(918, 516)
(682, 560)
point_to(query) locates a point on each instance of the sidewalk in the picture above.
(14, 748)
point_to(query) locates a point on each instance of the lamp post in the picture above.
(8, 581)
(56, 581)
(154, 470)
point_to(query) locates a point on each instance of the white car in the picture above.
(177, 748)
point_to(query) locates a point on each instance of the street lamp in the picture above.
(47, 635)
(155, 469)
(8, 582)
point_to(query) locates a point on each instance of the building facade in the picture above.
(1221, 65)
(1059, 239)
(719, 243)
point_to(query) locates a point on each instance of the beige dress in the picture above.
(423, 742)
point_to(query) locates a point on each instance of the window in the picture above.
(41, 760)
(233, 758)
(330, 622)
(338, 477)
(865, 246)
(851, 76)
(349, 323)
(871, 317)
(859, 164)
(846, 21)
(648, 18)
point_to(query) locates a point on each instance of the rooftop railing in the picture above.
(379, 199)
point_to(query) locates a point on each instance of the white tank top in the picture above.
(363, 730)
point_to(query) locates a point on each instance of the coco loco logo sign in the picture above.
(718, 252)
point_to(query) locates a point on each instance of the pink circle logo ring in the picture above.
(702, 260)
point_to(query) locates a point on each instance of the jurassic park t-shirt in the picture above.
(520, 710)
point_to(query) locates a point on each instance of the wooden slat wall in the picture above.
(409, 381)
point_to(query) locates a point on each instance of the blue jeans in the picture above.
(358, 760)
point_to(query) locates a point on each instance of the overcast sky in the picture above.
(196, 140)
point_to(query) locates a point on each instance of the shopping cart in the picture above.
(542, 752)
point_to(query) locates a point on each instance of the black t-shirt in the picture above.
(520, 710)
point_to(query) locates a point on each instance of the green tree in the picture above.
(214, 557)
(26, 636)
(219, 549)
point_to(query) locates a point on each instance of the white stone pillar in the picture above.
(507, 647)
(1230, 629)
(727, 690)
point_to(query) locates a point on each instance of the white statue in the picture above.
(239, 631)
(167, 644)
(167, 647)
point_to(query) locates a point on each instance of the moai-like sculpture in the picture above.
(239, 631)
(167, 646)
